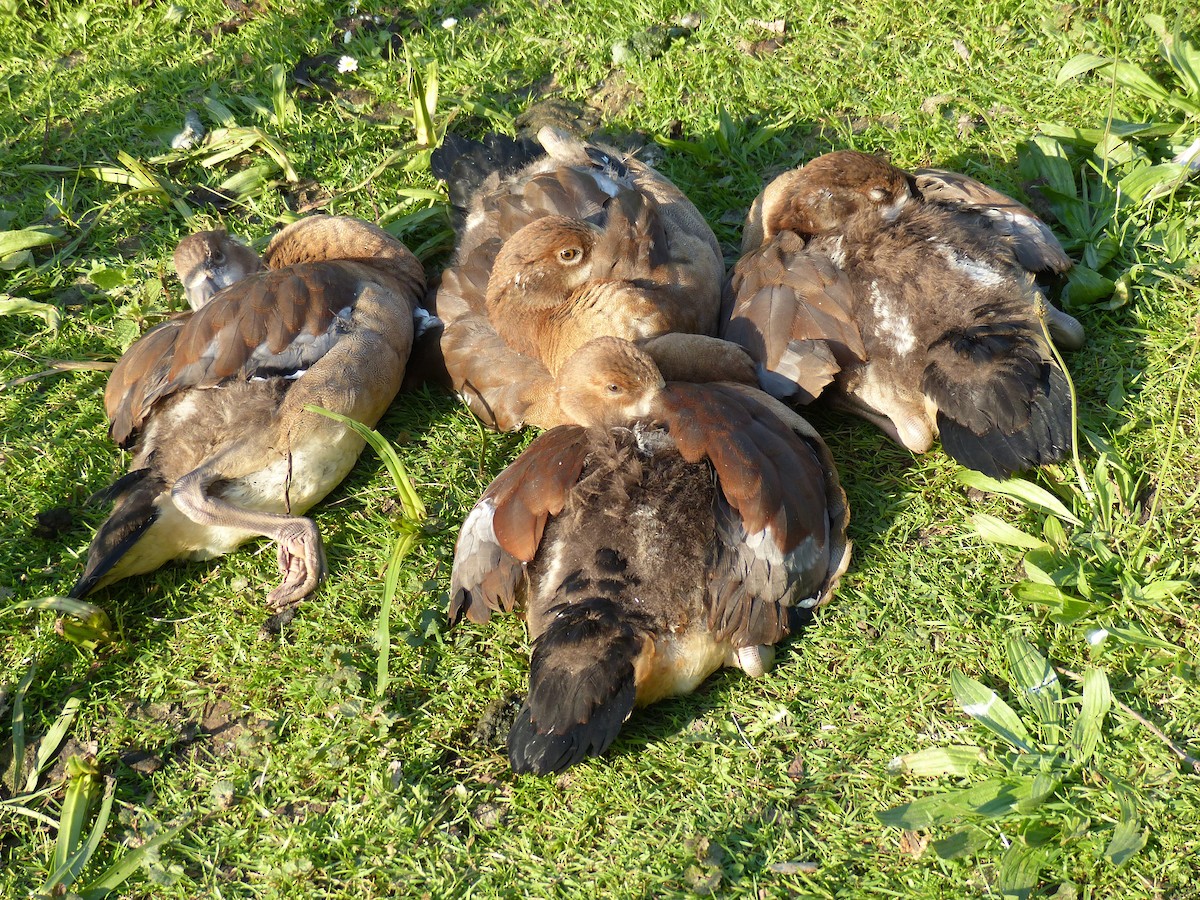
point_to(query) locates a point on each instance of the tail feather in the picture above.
(999, 452)
(465, 164)
(581, 687)
(133, 513)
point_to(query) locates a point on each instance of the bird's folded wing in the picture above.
(1033, 243)
(793, 312)
(503, 531)
(781, 519)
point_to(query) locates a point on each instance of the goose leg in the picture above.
(301, 552)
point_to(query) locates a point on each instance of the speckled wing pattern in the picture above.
(503, 531)
(793, 311)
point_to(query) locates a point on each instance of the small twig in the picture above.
(1183, 755)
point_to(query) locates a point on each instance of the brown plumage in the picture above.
(560, 242)
(912, 300)
(209, 261)
(212, 403)
(678, 528)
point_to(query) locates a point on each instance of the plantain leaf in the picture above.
(963, 842)
(1019, 868)
(1039, 685)
(997, 531)
(991, 798)
(1079, 64)
(20, 306)
(1019, 489)
(958, 759)
(1151, 182)
(1134, 635)
(1097, 700)
(985, 706)
(1180, 53)
(1126, 841)
(28, 239)
(1086, 286)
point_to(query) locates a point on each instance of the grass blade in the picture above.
(18, 725)
(985, 706)
(129, 863)
(51, 741)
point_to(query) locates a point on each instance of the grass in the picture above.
(291, 777)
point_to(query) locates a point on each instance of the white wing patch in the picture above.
(892, 321)
(979, 272)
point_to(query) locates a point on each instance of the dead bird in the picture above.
(561, 241)
(212, 404)
(912, 300)
(672, 529)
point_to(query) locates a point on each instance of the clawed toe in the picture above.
(301, 562)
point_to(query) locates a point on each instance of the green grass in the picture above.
(294, 779)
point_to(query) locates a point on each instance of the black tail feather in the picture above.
(581, 687)
(134, 512)
(1046, 436)
(465, 164)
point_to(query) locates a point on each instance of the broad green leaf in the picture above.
(1097, 699)
(82, 788)
(962, 843)
(1019, 868)
(1126, 841)
(1073, 610)
(997, 531)
(66, 874)
(1078, 65)
(958, 759)
(1053, 531)
(91, 626)
(1044, 786)
(1159, 590)
(1086, 286)
(985, 705)
(1179, 51)
(1019, 489)
(20, 306)
(1040, 593)
(1152, 182)
(1039, 685)
(221, 113)
(1128, 75)
(991, 798)
(28, 239)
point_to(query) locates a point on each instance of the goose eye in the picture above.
(568, 254)
(217, 257)
(614, 389)
(877, 194)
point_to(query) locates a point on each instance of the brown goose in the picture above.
(674, 529)
(561, 241)
(212, 403)
(209, 261)
(912, 299)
